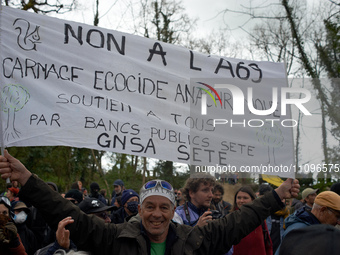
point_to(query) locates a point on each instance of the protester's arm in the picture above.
(219, 235)
(88, 232)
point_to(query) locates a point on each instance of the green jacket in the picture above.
(92, 234)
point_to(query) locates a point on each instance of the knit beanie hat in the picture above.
(76, 194)
(127, 194)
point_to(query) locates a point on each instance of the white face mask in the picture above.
(20, 217)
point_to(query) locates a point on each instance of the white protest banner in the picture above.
(71, 84)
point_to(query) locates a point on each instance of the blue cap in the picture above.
(118, 182)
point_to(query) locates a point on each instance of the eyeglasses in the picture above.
(6, 201)
(154, 183)
(336, 213)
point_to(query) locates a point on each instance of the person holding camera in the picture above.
(198, 191)
(257, 242)
(196, 211)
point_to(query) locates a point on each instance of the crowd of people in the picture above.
(194, 219)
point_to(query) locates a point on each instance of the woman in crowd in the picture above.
(257, 242)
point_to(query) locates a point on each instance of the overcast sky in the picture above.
(118, 14)
(121, 14)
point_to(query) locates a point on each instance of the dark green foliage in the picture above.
(165, 170)
(125, 168)
(61, 165)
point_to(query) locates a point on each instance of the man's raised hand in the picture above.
(12, 168)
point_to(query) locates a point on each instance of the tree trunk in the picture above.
(144, 169)
(101, 172)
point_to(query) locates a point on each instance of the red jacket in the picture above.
(254, 243)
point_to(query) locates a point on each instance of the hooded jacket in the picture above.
(300, 219)
(90, 233)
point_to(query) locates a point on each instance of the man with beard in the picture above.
(198, 191)
(118, 186)
(222, 206)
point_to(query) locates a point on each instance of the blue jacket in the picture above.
(194, 213)
(299, 219)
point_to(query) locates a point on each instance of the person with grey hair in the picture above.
(326, 210)
(152, 232)
(71, 252)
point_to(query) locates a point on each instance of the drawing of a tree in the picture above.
(271, 136)
(13, 97)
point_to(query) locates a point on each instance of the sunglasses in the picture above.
(152, 184)
(5, 200)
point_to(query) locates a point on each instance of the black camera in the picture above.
(216, 214)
